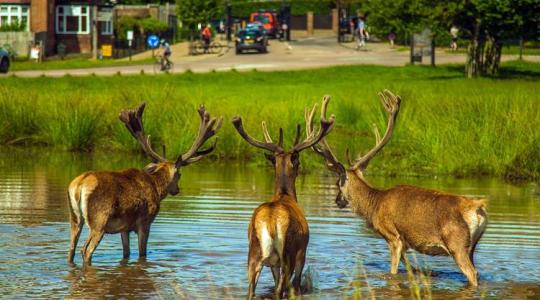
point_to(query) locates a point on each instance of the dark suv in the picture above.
(4, 61)
(251, 38)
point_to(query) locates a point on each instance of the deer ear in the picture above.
(270, 157)
(150, 168)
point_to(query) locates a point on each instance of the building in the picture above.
(62, 23)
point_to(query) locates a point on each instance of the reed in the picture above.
(448, 124)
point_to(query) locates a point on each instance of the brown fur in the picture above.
(428, 221)
(118, 202)
(278, 233)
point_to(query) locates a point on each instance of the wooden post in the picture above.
(335, 20)
(94, 30)
(310, 23)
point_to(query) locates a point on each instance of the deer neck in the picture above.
(284, 184)
(161, 178)
(362, 197)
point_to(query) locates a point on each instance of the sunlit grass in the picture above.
(447, 125)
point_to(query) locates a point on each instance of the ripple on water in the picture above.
(198, 243)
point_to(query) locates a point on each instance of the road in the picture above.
(303, 53)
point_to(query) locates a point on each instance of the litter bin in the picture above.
(61, 50)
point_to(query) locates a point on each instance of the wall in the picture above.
(19, 41)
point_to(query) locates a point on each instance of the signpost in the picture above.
(422, 45)
(153, 42)
(129, 35)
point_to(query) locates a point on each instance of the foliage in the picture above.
(138, 25)
(123, 25)
(243, 8)
(193, 12)
(151, 25)
(14, 26)
(485, 23)
(489, 127)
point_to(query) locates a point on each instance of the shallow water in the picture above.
(198, 243)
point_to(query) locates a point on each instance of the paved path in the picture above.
(304, 53)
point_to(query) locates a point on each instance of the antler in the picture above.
(322, 148)
(268, 145)
(391, 104)
(313, 138)
(207, 129)
(132, 118)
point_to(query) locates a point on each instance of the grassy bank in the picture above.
(75, 63)
(448, 124)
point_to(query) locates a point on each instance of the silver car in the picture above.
(4, 61)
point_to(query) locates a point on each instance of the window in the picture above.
(72, 19)
(13, 14)
(106, 27)
(106, 21)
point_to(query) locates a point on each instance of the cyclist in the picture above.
(206, 36)
(167, 51)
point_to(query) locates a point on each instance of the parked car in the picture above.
(251, 39)
(4, 61)
(269, 21)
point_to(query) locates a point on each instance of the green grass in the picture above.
(74, 63)
(447, 125)
(506, 50)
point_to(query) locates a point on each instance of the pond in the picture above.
(198, 243)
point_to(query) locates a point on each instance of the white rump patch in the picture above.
(476, 223)
(73, 202)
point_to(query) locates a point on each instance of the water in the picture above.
(198, 243)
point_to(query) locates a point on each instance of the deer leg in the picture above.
(93, 241)
(298, 268)
(396, 246)
(275, 274)
(283, 278)
(143, 232)
(125, 244)
(465, 265)
(254, 271)
(75, 233)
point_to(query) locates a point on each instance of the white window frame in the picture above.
(107, 26)
(19, 14)
(67, 11)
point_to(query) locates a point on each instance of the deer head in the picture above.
(391, 104)
(208, 127)
(285, 163)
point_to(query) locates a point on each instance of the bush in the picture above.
(13, 26)
(151, 25)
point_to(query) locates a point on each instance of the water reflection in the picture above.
(198, 244)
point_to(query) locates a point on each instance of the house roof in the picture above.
(14, 2)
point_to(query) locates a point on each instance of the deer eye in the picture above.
(271, 158)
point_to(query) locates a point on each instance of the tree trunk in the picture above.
(474, 53)
(484, 54)
(492, 57)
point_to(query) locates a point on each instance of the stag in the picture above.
(129, 200)
(407, 217)
(278, 232)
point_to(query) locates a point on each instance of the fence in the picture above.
(19, 42)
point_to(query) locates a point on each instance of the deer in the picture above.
(407, 217)
(278, 233)
(129, 200)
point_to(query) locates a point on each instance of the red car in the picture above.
(268, 20)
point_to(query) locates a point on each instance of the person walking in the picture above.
(361, 33)
(454, 33)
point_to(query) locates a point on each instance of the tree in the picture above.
(486, 24)
(193, 12)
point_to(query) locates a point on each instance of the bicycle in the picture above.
(199, 47)
(159, 67)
